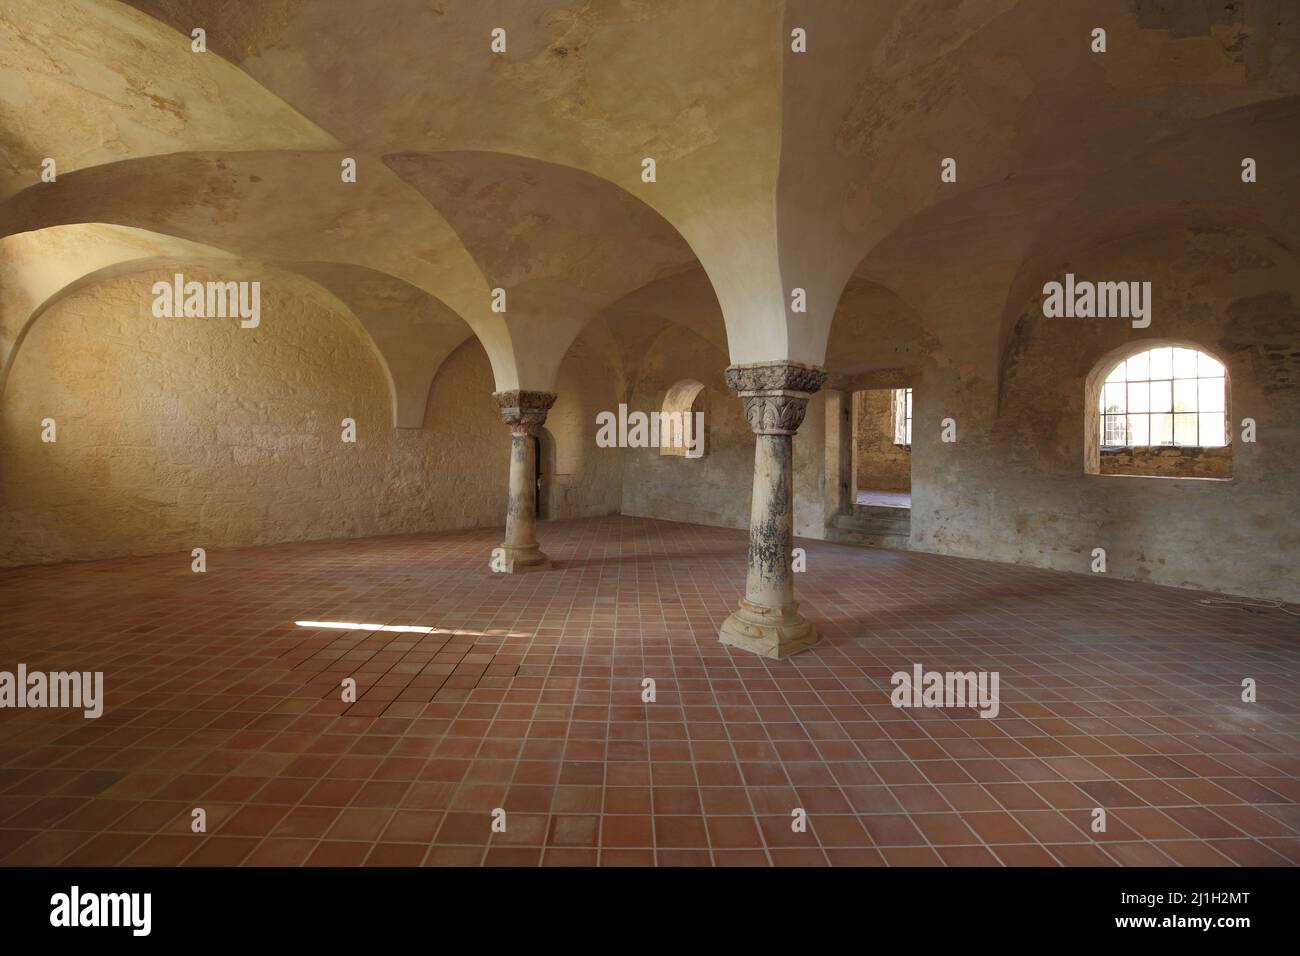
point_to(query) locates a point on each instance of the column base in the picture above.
(768, 631)
(523, 560)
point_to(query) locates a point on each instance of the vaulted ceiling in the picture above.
(523, 169)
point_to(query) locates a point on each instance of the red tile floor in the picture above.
(526, 696)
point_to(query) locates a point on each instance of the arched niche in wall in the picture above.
(681, 420)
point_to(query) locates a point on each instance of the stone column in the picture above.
(525, 413)
(776, 397)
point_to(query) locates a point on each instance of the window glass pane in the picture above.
(1205, 365)
(1210, 391)
(1137, 430)
(1162, 363)
(1162, 429)
(1113, 430)
(1139, 367)
(1212, 429)
(1162, 396)
(1185, 363)
(909, 403)
(1165, 396)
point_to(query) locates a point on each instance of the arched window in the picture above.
(681, 422)
(1160, 412)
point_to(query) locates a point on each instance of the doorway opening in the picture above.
(882, 448)
(546, 489)
(537, 476)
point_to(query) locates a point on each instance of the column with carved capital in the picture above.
(525, 413)
(776, 397)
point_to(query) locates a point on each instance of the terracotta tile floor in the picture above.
(526, 696)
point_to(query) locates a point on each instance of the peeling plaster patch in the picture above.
(859, 210)
(1186, 18)
(579, 239)
(92, 84)
(936, 28)
(906, 87)
(174, 107)
(690, 131)
(1229, 249)
(557, 75)
(1004, 76)
(219, 191)
(246, 29)
(1264, 327)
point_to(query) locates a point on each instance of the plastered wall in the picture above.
(176, 434)
(714, 489)
(1020, 493)
(183, 433)
(1013, 488)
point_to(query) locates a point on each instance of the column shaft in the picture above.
(771, 527)
(767, 621)
(525, 413)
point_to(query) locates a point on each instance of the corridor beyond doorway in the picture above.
(882, 447)
(883, 499)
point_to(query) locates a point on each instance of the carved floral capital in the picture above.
(775, 394)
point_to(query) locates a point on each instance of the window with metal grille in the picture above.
(1165, 396)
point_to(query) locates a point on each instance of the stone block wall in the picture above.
(1172, 462)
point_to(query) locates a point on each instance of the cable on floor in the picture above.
(1253, 607)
